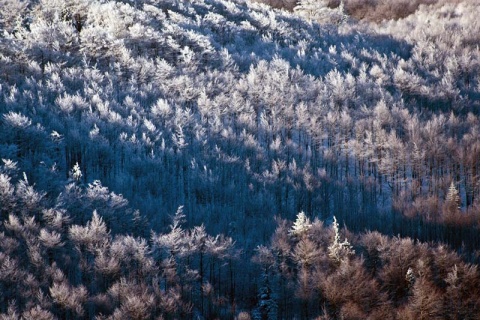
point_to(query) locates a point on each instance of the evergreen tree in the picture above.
(266, 306)
(301, 225)
(339, 251)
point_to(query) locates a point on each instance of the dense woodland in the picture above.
(203, 159)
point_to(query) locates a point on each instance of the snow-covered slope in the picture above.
(237, 113)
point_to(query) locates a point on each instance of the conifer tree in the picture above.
(266, 306)
(338, 250)
(452, 199)
(301, 225)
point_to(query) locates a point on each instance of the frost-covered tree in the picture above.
(13, 15)
(7, 196)
(76, 173)
(301, 225)
(339, 251)
(452, 199)
(320, 11)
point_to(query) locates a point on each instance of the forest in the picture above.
(230, 159)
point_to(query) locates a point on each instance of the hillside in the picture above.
(117, 114)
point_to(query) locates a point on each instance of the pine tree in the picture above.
(301, 225)
(266, 306)
(76, 173)
(453, 198)
(339, 251)
(7, 197)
